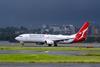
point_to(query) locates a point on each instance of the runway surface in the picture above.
(48, 65)
(43, 52)
(6, 43)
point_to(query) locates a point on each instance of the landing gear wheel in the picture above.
(49, 45)
(22, 44)
(55, 45)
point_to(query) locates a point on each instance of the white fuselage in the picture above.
(45, 37)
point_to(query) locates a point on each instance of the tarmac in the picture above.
(67, 53)
(48, 65)
(95, 44)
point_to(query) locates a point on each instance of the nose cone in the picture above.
(17, 38)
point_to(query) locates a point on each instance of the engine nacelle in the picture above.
(50, 42)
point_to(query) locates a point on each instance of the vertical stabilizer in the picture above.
(82, 33)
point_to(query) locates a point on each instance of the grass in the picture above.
(93, 54)
(93, 57)
(48, 48)
(45, 58)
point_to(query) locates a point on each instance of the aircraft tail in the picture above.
(82, 33)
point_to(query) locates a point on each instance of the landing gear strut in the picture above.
(22, 43)
(55, 44)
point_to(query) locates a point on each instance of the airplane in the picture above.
(50, 39)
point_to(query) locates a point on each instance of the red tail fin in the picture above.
(82, 34)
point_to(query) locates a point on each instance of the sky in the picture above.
(34, 13)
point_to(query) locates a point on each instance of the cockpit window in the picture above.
(20, 36)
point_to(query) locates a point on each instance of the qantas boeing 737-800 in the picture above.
(49, 39)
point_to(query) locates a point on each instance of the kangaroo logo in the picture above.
(81, 34)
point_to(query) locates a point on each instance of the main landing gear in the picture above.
(49, 45)
(55, 45)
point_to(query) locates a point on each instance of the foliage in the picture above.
(31, 58)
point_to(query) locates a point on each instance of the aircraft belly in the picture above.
(66, 41)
